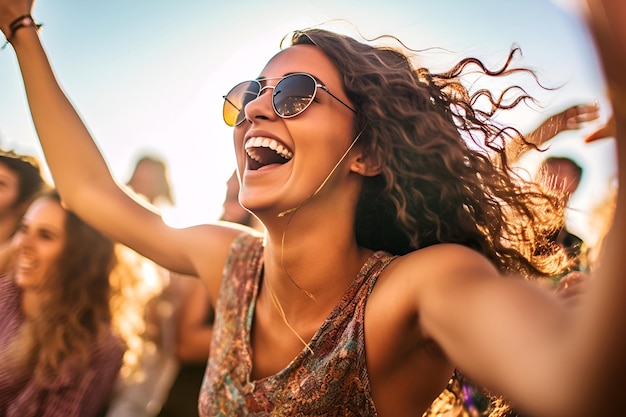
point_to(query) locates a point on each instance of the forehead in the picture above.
(303, 58)
(45, 210)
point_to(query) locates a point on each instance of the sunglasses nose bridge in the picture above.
(257, 105)
(265, 87)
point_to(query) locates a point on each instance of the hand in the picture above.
(569, 119)
(11, 10)
(607, 131)
(575, 116)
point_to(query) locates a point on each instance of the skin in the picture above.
(143, 182)
(193, 333)
(571, 118)
(232, 210)
(38, 243)
(432, 309)
(147, 180)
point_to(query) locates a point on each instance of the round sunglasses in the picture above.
(291, 96)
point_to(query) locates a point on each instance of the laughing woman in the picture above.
(58, 354)
(394, 253)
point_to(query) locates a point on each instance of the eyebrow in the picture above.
(50, 228)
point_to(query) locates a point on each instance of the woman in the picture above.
(353, 161)
(58, 353)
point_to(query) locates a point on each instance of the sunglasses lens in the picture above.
(293, 94)
(236, 100)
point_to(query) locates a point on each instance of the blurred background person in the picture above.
(150, 304)
(562, 175)
(59, 355)
(20, 181)
(150, 179)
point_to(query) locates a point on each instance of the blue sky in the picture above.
(148, 75)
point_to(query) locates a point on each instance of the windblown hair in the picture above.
(445, 176)
(75, 312)
(435, 187)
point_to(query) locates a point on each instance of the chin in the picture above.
(23, 281)
(254, 203)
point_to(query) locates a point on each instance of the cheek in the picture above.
(49, 259)
(7, 198)
(240, 153)
(337, 132)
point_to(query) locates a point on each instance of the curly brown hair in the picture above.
(445, 176)
(434, 187)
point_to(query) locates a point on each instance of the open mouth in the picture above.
(26, 262)
(265, 151)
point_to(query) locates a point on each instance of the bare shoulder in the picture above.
(427, 285)
(418, 273)
(445, 257)
(410, 299)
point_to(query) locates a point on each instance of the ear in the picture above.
(367, 163)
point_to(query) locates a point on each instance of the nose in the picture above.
(261, 107)
(20, 239)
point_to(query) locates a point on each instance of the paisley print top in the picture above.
(331, 381)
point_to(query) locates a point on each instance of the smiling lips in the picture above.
(266, 151)
(26, 262)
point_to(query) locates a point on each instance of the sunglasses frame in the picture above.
(316, 83)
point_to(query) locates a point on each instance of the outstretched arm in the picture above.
(607, 311)
(546, 357)
(595, 365)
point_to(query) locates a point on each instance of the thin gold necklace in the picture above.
(292, 212)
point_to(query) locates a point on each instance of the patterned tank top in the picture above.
(332, 381)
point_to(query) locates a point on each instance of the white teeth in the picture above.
(27, 262)
(258, 142)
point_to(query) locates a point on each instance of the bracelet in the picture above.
(23, 21)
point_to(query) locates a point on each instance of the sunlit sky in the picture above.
(147, 76)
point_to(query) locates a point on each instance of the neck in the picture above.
(293, 267)
(31, 303)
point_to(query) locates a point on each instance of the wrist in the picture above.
(22, 22)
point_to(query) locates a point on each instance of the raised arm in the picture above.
(572, 118)
(81, 174)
